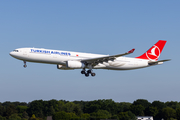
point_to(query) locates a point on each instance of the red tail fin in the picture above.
(154, 52)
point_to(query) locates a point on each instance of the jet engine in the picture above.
(62, 67)
(75, 64)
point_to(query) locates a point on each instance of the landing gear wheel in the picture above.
(87, 74)
(83, 72)
(93, 74)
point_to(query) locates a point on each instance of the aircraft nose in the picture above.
(11, 54)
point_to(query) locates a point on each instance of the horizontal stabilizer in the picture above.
(157, 62)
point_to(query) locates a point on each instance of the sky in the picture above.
(94, 26)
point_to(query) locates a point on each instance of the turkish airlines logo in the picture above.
(153, 53)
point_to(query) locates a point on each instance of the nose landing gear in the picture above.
(24, 64)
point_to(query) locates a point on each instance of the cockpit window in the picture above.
(15, 50)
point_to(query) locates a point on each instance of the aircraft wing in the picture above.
(157, 62)
(95, 61)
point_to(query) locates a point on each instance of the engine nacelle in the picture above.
(74, 64)
(62, 67)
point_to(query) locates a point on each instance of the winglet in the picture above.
(131, 51)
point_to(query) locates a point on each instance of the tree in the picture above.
(138, 110)
(2, 110)
(85, 116)
(152, 111)
(60, 106)
(77, 110)
(25, 115)
(101, 114)
(173, 104)
(80, 103)
(40, 114)
(10, 110)
(61, 116)
(51, 107)
(33, 117)
(14, 117)
(94, 106)
(178, 113)
(36, 107)
(108, 105)
(142, 102)
(6, 104)
(115, 117)
(126, 116)
(69, 107)
(123, 106)
(51, 111)
(168, 113)
(159, 105)
(72, 116)
(90, 108)
(131, 115)
(2, 118)
(21, 109)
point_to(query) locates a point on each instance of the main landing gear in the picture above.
(24, 64)
(87, 73)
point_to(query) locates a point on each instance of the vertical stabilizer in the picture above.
(154, 52)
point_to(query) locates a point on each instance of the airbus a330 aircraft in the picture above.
(67, 60)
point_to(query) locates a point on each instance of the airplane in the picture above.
(67, 60)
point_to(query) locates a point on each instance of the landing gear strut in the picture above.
(24, 64)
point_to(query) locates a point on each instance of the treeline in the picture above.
(88, 110)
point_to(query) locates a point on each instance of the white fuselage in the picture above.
(59, 57)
